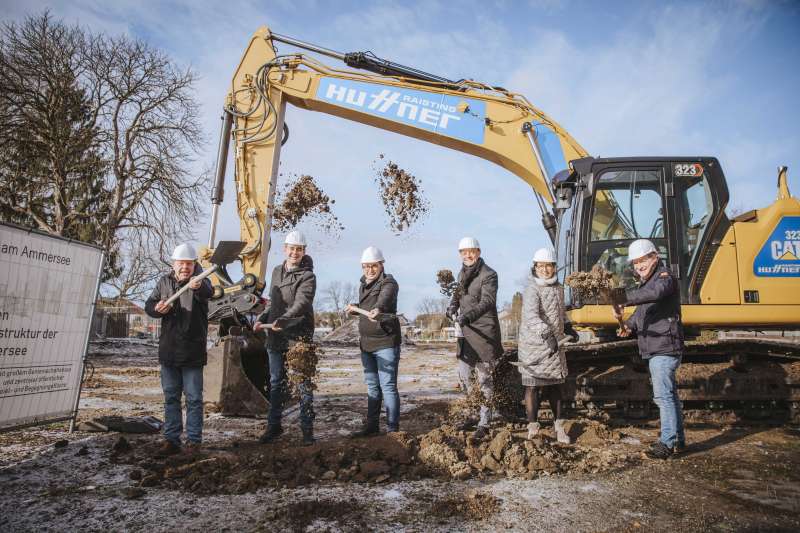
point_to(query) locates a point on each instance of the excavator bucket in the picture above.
(236, 378)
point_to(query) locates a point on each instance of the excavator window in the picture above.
(628, 205)
(696, 206)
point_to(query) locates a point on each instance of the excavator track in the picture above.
(752, 377)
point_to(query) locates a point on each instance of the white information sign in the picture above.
(48, 287)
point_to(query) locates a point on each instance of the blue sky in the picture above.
(624, 78)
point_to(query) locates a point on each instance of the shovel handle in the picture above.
(203, 275)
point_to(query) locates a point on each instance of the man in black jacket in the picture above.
(474, 308)
(289, 317)
(657, 325)
(380, 342)
(182, 347)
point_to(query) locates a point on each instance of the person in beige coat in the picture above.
(542, 363)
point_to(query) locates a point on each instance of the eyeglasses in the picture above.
(371, 266)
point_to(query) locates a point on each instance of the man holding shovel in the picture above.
(474, 308)
(289, 317)
(182, 347)
(380, 339)
(657, 325)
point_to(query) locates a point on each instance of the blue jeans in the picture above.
(665, 394)
(186, 380)
(380, 375)
(277, 392)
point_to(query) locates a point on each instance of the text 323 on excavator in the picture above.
(736, 275)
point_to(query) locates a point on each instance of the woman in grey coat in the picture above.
(542, 363)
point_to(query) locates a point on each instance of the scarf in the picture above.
(542, 282)
(468, 273)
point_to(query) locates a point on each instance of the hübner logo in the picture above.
(445, 114)
(780, 255)
(407, 106)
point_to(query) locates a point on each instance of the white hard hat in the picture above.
(184, 252)
(372, 255)
(640, 248)
(544, 255)
(468, 242)
(295, 238)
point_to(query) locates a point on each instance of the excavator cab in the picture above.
(605, 204)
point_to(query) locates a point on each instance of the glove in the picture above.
(451, 313)
(552, 344)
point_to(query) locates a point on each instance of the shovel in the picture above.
(380, 317)
(225, 252)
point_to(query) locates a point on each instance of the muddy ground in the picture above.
(736, 476)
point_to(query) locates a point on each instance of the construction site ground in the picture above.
(735, 476)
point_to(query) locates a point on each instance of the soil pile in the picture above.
(402, 196)
(301, 198)
(472, 505)
(301, 366)
(447, 282)
(595, 284)
(344, 335)
(508, 452)
(444, 452)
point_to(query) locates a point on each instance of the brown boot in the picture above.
(192, 448)
(168, 448)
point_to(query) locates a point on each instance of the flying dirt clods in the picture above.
(301, 365)
(598, 283)
(401, 195)
(301, 198)
(447, 282)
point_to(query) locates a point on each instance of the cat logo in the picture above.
(779, 256)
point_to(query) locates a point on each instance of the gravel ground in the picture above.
(734, 477)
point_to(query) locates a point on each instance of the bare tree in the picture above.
(51, 156)
(337, 295)
(117, 164)
(432, 306)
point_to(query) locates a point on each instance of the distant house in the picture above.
(119, 317)
(509, 325)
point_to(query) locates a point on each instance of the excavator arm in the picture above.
(474, 118)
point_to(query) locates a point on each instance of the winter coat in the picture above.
(657, 318)
(540, 329)
(184, 329)
(291, 296)
(476, 299)
(380, 294)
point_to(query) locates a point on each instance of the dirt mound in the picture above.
(301, 198)
(508, 452)
(401, 195)
(345, 335)
(473, 505)
(443, 452)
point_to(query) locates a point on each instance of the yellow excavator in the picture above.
(737, 277)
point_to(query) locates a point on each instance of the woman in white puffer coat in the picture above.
(542, 363)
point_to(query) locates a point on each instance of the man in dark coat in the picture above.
(657, 325)
(182, 347)
(380, 342)
(474, 309)
(289, 317)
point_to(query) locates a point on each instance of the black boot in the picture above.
(272, 433)
(367, 430)
(308, 436)
(372, 425)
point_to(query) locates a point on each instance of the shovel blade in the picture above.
(226, 252)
